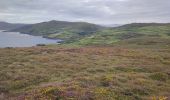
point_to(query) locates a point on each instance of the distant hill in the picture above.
(59, 29)
(9, 26)
(127, 32)
(138, 25)
(111, 25)
(82, 33)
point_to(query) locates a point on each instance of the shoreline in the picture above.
(33, 41)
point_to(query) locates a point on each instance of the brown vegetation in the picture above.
(84, 73)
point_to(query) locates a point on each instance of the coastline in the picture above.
(18, 39)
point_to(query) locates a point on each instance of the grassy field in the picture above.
(114, 72)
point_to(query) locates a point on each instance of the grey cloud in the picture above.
(95, 11)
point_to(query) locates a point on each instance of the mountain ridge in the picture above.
(10, 26)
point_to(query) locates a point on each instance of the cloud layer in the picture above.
(94, 11)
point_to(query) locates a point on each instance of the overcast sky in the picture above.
(94, 11)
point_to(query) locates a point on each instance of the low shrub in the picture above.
(159, 76)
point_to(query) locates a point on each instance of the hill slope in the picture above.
(60, 29)
(9, 26)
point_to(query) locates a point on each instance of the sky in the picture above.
(93, 11)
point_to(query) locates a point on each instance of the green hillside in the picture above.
(129, 31)
(60, 29)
